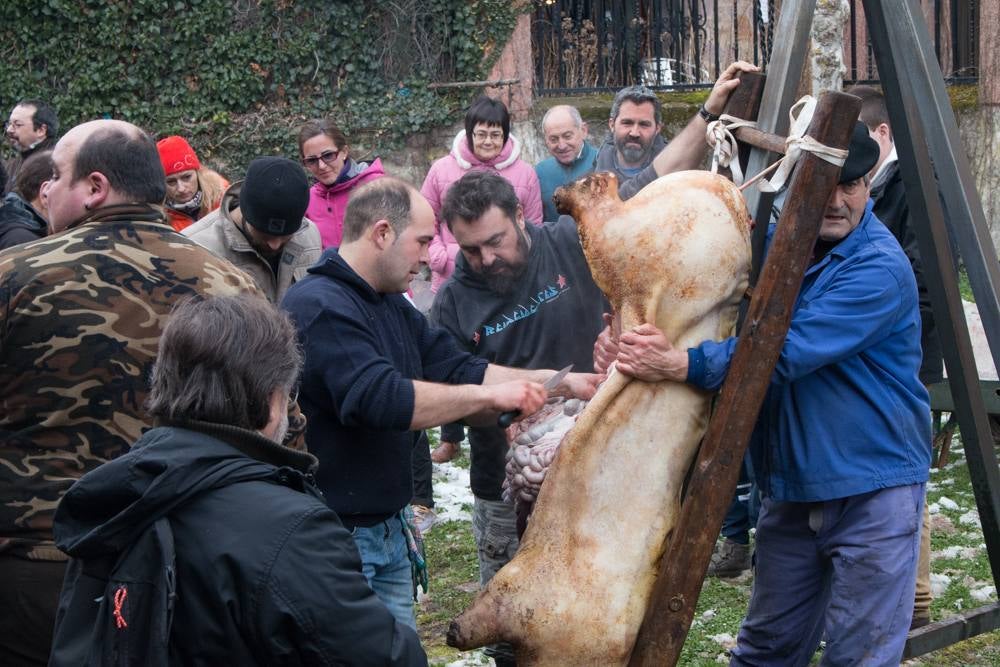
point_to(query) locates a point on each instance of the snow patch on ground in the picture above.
(451, 492)
(939, 583)
(934, 508)
(947, 552)
(473, 659)
(970, 518)
(947, 503)
(984, 594)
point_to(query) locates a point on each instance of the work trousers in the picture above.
(844, 568)
(494, 525)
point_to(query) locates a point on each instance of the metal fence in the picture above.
(583, 46)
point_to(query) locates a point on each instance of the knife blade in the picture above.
(507, 418)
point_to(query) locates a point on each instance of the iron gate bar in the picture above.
(926, 137)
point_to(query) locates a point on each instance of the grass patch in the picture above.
(454, 581)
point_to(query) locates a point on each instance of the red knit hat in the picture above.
(176, 155)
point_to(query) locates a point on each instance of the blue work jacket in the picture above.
(845, 412)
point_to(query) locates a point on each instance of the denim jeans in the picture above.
(845, 567)
(385, 562)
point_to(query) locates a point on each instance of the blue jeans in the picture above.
(845, 567)
(385, 562)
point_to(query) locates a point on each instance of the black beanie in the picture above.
(274, 196)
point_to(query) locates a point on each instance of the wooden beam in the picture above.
(783, 73)
(716, 469)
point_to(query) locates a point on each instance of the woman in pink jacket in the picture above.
(325, 154)
(486, 144)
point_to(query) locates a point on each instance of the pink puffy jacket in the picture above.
(328, 202)
(452, 167)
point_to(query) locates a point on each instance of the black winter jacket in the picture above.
(19, 222)
(266, 573)
(889, 195)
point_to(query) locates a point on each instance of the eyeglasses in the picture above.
(329, 157)
(480, 135)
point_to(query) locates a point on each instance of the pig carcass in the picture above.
(677, 255)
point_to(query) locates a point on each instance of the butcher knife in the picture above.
(507, 418)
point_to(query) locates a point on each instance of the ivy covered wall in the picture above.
(236, 77)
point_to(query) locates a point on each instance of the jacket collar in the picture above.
(251, 443)
(124, 213)
(466, 159)
(332, 265)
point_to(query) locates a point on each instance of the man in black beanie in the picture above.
(260, 227)
(841, 448)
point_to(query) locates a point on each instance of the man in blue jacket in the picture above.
(572, 156)
(376, 374)
(841, 447)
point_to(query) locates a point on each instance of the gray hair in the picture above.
(574, 113)
(636, 95)
(220, 360)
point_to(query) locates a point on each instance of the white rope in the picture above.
(798, 142)
(719, 135)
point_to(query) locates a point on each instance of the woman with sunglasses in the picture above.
(193, 190)
(326, 156)
(484, 144)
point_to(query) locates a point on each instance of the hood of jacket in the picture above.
(109, 507)
(466, 159)
(356, 172)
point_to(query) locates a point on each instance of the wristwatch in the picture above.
(707, 115)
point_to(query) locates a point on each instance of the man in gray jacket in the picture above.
(636, 152)
(260, 227)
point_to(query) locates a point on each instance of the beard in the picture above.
(631, 153)
(503, 277)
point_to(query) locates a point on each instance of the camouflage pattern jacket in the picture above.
(80, 319)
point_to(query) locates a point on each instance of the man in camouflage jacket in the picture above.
(81, 314)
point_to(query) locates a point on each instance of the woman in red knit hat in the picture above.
(193, 191)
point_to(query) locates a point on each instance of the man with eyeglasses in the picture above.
(32, 127)
(636, 152)
(260, 227)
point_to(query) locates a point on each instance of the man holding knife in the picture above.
(376, 373)
(520, 296)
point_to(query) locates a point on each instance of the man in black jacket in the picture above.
(265, 572)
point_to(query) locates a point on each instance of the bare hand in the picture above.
(646, 354)
(579, 385)
(605, 347)
(727, 83)
(527, 397)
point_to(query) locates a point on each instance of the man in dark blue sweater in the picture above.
(376, 373)
(521, 296)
